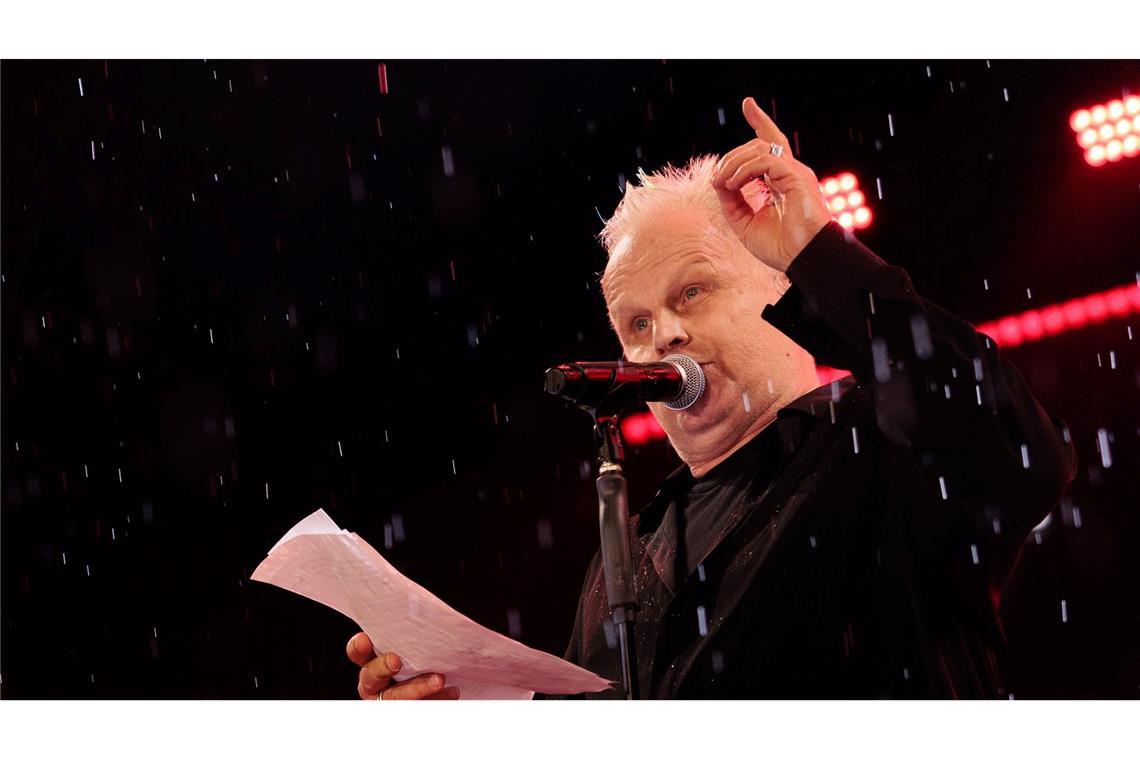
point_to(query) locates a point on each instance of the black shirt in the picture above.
(862, 566)
(711, 504)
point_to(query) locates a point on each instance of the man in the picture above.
(839, 541)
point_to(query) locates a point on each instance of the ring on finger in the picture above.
(776, 149)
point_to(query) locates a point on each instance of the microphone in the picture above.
(676, 380)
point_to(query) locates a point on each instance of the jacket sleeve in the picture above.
(941, 390)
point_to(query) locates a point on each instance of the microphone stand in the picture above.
(613, 523)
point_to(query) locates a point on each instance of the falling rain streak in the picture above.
(1102, 447)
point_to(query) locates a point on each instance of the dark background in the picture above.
(308, 292)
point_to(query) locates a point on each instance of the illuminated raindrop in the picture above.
(1102, 447)
(920, 333)
(880, 359)
(702, 622)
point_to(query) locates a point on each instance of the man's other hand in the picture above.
(377, 674)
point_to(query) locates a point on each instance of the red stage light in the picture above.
(1053, 320)
(640, 428)
(1032, 326)
(827, 375)
(1096, 306)
(1036, 324)
(1103, 130)
(846, 201)
(1074, 312)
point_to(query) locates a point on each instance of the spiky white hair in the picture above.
(672, 189)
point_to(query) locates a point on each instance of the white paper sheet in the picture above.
(318, 560)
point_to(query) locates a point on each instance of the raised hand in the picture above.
(776, 233)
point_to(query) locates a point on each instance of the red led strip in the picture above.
(1010, 331)
(1071, 315)
(846, 201)
(1108, 131)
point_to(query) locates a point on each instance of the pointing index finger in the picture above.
(763, 125)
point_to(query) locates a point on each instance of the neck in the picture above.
(700, 467)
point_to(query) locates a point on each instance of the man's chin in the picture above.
(699, 419)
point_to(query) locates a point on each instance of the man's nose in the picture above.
(669, 335)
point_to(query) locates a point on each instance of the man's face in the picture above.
(684, 288)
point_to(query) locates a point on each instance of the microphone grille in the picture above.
(693, 386)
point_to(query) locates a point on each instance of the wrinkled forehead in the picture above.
(642, 256)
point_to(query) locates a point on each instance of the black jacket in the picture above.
(866, 568)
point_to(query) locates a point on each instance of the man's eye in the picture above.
(640, 324)
(691, 292)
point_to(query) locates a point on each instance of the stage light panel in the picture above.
(1104, 130)
(847, 203)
